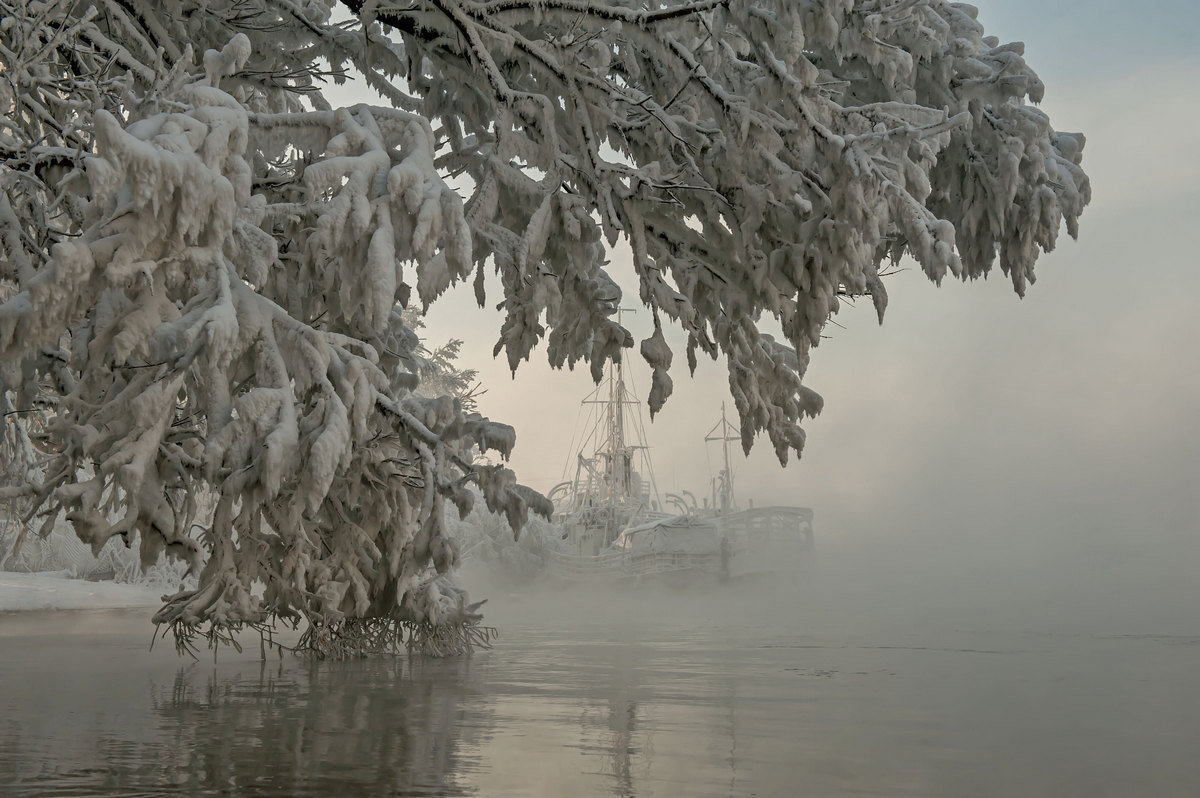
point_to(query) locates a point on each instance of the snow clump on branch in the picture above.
(199, 378)
(202, 267)
(762, 158)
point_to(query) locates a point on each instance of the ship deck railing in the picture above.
(618, 564)
(607, 565)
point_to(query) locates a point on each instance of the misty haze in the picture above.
(620, 398)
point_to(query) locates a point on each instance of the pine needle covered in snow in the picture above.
(203, 264)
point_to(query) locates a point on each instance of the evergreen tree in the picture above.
(203, 265)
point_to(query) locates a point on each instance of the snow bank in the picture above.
(53, 590)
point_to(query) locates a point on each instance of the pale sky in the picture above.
(1065, 418)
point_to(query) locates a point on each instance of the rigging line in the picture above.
(708, 458)
(571, 449)
(591, 424)
(640, 427)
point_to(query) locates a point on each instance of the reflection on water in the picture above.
(608, 699)
(379, 723)
(282, 727)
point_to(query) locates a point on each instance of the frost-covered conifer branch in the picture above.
(202, 398)
(759, 156)
(201, 263)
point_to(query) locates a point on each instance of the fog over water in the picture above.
(859, 679)
(990, 461)
(1003, 600)
(987, 432)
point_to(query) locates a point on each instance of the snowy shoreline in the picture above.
(55, 590)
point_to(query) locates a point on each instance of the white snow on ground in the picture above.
(53, 590)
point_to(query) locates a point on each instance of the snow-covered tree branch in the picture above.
(203, 264)
(761, 158)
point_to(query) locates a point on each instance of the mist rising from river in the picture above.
(924, 664)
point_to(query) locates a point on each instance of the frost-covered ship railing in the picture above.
(758, 540)
(791, 524)
(605, 566)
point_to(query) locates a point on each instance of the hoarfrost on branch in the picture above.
(203, 264)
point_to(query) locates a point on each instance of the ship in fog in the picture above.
(612, 523)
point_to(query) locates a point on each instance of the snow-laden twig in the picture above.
(203, 265)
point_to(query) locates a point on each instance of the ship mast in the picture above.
(607, 489)
(618, 455)
(723, 500)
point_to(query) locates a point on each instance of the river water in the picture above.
(746, 693)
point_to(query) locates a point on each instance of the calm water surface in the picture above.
(595, 695)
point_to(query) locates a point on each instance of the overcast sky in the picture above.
(1066, 419)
